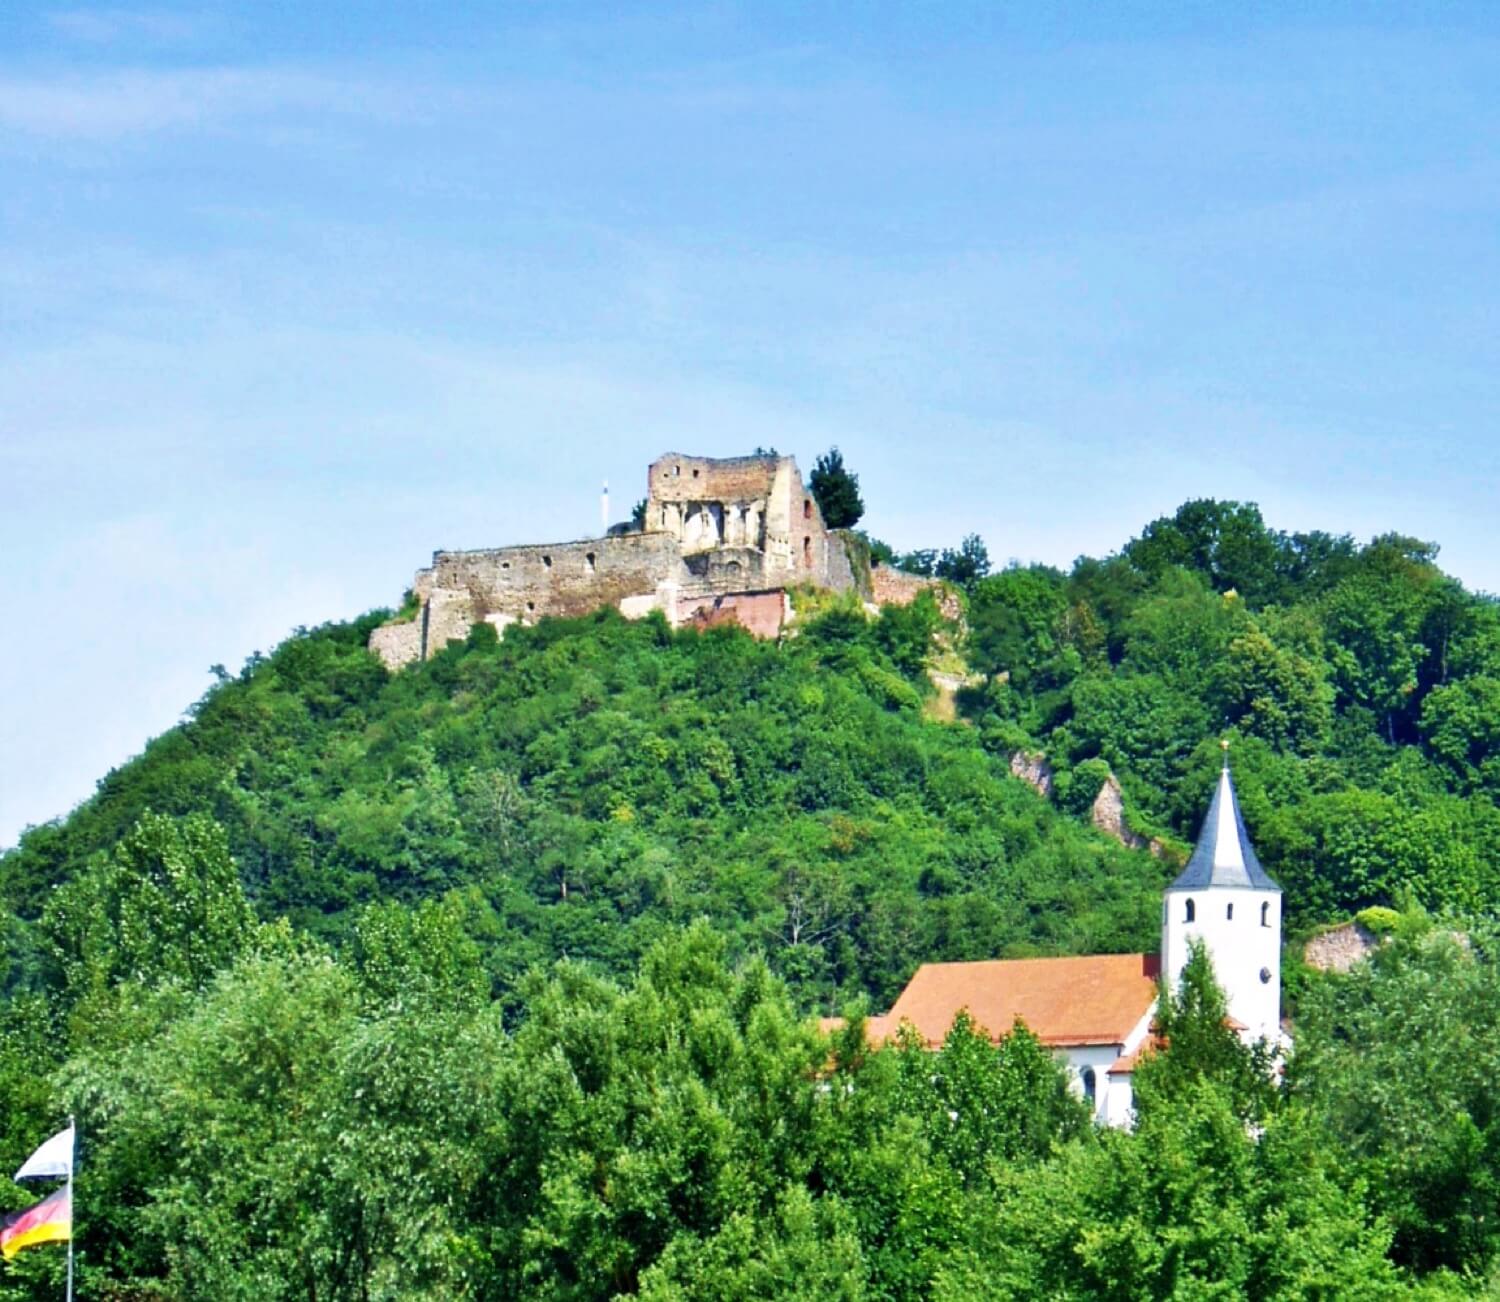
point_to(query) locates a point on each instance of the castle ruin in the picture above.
(723, 540)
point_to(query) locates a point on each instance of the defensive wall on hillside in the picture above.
(724, 540)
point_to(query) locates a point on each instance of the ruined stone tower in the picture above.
(724, 539)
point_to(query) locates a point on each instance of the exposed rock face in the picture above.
(1340, 949)
(1108, 815)
(1033, 770)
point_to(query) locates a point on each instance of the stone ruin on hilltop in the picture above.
(724, 541)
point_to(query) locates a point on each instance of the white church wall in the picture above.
(1098, 1059)
(1119, 1108)
(1241, 928)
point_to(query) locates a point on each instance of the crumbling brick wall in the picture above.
(762, 614)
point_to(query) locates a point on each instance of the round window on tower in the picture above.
(1265, 976)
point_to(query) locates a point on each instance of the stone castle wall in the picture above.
(763, 614)
(722, 541)
(565, 579)
(891, 587)
(673, 477)
(756, 502)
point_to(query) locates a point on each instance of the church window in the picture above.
(1265, 914)
(1190, 912)
(1090, 1084)
(1229, 912)
(807, 508)
(807, 552)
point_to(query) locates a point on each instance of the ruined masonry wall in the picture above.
(398, 644)
(676, 478)
(564, 579)
(723, 539)
(892, 587)
(762, 614)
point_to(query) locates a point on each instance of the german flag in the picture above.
(49, 1221)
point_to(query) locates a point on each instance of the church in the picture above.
(1097, 1012)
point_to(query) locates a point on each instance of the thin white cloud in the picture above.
(110, 105)
(107, 25)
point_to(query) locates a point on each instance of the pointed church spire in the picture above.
(1224, 855)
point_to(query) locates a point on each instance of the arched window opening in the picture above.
(807, 508)
(1265, 914)
(1229, 913)
(807, 552)
(1190, 913)
(1090, 1084)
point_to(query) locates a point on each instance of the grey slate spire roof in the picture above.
(1224, 855)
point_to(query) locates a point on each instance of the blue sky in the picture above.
(291, 295)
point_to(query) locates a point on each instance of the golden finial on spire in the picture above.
(1224, 746)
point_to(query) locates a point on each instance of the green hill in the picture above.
(590, 783)
(299, 967)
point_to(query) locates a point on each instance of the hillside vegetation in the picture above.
(492, 977)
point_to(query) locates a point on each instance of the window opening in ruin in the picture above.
(807, 552)
(1090, 1084)
(676, 470)
(807, 508)
(695, 474)
(589, 558)
(1265, 915)
(505, 565)
(547, 561)
(1188, 916)
(1229, 913)
(531, 605)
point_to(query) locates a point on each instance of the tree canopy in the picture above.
(836, 490)
(496, 977)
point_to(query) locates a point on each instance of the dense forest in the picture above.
(496, 977)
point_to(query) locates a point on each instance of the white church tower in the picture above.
(1225, 899)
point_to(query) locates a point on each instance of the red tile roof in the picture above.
(1126, 1064)
(1063, 1001)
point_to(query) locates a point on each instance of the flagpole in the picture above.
(72, 1225)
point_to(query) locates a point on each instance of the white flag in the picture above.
(52, 1159)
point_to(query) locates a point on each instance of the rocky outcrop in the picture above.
(1032, 768)
(1108, 815)
(1340, 949)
